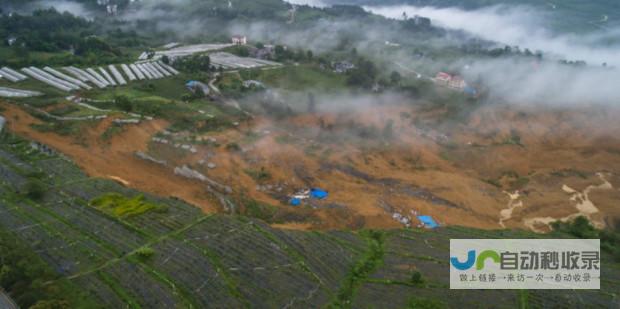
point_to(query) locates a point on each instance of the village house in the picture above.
(267, 52)
(342, 66)
(11, 40)
(239, 40)
(452, 81)
(112, 9)
(421, 21)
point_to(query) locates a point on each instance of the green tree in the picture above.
(416, 278)
(35, 189)
(395, 78)
(123, 103)
(165, 59)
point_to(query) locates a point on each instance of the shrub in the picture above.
(425, 303)
(416, 278)
(121, 206)
(123, 103)
(35, 189)
(145, 253)
(233, 147)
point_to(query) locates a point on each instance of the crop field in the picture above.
(171, 255)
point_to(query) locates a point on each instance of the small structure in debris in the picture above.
(197, 87)
(160, 140)
(187, 172)
(42, 148)
(305, 194)
(421, 21)
(266, 52)
(428, 222)
(341, 67)
(147, 157)
(404, 220)
(253, 84)
(126, 121)
(239, 40)
(451, 81)
(455, 82)
(318, 193)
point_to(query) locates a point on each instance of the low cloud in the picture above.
(315, 3)
(531, 82)
(517, 26)
(72, 7)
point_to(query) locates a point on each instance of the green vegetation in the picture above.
(234, 147)
(195, 63)
(35, 189)
(259, 175)
(255, 209)
(23, 274)
(417, 279)
(373, 258)
(570, 172)
(425, 303)
(301, 77)
(145, 253)
(227, 258)
(513, 139)
(111, 132)
(580, 227)
(48, 37)
(120, 206)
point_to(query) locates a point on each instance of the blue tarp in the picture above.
(318, 193)
(295, 202)
(470, 90)
(428, 221)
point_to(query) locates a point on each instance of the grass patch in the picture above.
(424, 303)
(370, 261)
(22, 273)
(259, 210)
(145, 253)
(111, 132)
(580, 227)
(303, 77)
(569, 172)
(121, 206)
(258, 175)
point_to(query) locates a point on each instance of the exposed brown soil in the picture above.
(459, 173)
(115, 158)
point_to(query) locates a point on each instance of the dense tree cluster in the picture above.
(45, 30)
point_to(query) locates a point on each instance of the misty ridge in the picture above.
(526, 27)
(513, 80)
(507, 79)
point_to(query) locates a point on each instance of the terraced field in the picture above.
(174, 256)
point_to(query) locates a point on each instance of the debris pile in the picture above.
(305, 194)
(147, 157)
(187, 172)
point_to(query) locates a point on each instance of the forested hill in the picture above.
(565, 15)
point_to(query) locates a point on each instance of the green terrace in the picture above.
(79, 242)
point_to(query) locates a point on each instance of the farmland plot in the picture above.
(257, 262)
(177, 257)
(328, 259)
(101, 291)
(149, 293)
(191, 270)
